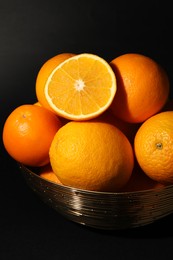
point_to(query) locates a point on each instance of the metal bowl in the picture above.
(103, 210)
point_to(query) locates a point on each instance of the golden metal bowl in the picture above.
(103, 210)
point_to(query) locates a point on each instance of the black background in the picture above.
(30, 33)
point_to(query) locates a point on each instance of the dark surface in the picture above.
(30, 33)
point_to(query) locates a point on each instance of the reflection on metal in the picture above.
(103, 210)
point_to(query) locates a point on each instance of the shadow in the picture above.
(119, 103)
(164, 226)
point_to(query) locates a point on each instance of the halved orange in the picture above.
(81, 87)
(44, 73)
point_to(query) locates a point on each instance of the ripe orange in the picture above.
(47, 173)
(154, 147)
(62, 119)
(80, 88)
(142, 87)
(44, 73)
(129, 129)
(140, 181)
(91, 155)
(28, 132)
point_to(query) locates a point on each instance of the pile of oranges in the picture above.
(97, 125)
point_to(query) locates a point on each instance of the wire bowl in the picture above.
(103, 210)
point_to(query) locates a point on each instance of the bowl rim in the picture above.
(155, 190)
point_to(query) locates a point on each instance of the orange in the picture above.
(81, 88)
(43, 74)
(37, 103)
(47, 173)
(140, 181)
(154, 147)
(142, 87)
(28, 132)
(129, 129)
(62, 119)
(92, 155)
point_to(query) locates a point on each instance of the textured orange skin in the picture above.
(28, 133)
(153, 147)
(142, 87)
(92, 155)
(129, 129)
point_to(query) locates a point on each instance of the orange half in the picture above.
(81, 88)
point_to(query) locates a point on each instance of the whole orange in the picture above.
(44, 73)
(129, 129)
(140, 181)
(62, 119)
(91, 155)
(47, 173)
(154, 147)
(142, 87)
(28, 132)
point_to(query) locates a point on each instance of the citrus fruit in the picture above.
(142, 87)
(37, 104)
(43, 74)
(153, 146)
(91, 155)
(140, 181)
(129, 129)
(47, 173)
(28, 132)
(80, 88)
(62, 119)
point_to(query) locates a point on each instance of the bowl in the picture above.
(102, 210)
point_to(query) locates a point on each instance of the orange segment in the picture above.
(81, 87)
(44, 73)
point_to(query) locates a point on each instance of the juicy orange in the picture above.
(142, 87)
(28, 132)
(81, 88)
(43, 74)
(154, 147)
(92, 155)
